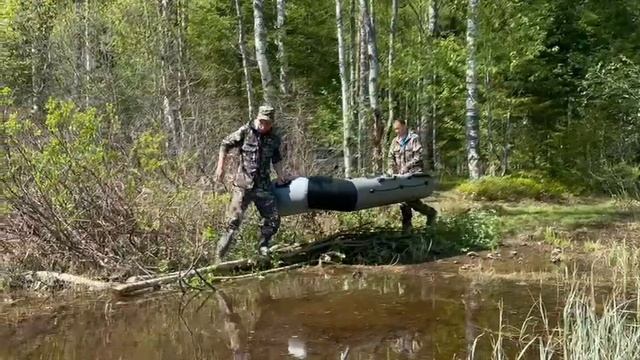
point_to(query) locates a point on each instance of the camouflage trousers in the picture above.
(264, 201)
(420, 207)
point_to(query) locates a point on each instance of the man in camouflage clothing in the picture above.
(259, 148)
(405, 157)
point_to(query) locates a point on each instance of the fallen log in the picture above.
(352, 245)
(125, 289)
(49, 277)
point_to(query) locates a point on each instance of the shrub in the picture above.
(453, 234)
(512, 188)
(78, 202)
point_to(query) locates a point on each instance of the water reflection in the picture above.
(288, 317)
(233, 329)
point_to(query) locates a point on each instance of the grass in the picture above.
(522, 217)
(512, 188)
(590, 325)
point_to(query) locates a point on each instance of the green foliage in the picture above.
(473, 230)
(453, 234)
(512, 188)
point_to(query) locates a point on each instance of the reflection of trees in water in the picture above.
(262, 319)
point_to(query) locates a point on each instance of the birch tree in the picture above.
(345, 93)
(282, 55)
(392, 35)
(170, 109)
(430, 111)
(38, 23)
(374, 70)
(363, 89)
(242, 45)
(86, 53)
(472, 121)
(260, 32)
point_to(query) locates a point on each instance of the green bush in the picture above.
(454, 234)
(513, 188)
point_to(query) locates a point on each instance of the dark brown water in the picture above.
(434, 315)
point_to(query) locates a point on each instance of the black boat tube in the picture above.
(305, 194)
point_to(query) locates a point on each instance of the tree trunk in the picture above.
(87, 55)
(353, 75)
(506, 149)
(39, 30)
(472, 123)
(374, 70)
(363, 96)
(431, 141)
(185, 83)
(282, 55)
(242, 45)
(392, 35)
(260, 32)
(167, 68)
(346, 96)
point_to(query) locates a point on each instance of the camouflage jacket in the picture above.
(405, 155)
(257, 153)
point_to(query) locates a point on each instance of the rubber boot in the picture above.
(407, 227)
(263, 246)
(224, 243)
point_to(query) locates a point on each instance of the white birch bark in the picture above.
(345, 93)
(87, 55)
(429, 112)
(260, 32)
(168, 106)
(242, 45)
(353, 63)
(363, 89)
(392, 36)
(282, 55)
(433, 26)
(374, 70)
(472, 121)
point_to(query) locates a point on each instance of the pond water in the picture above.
(435, 312)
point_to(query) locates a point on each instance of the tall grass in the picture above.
(590, 326)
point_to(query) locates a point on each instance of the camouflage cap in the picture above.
(266, 112)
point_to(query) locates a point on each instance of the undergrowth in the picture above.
(512, 188)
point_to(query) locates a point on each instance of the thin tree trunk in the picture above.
(430, 112)
(434, 10)
(374, 70)
(184, 70)
(346, 96)
(87, 55)
(506, 149)
(181, 79)
(40, 29)
(353, 74)
(472, 123)
(392, 35)
(260, 32)
(282, 55)
(363, 96)
(171, 122)
(242, 45)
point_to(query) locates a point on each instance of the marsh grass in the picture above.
(591, 325)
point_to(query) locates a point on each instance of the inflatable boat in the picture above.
(306, 194)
